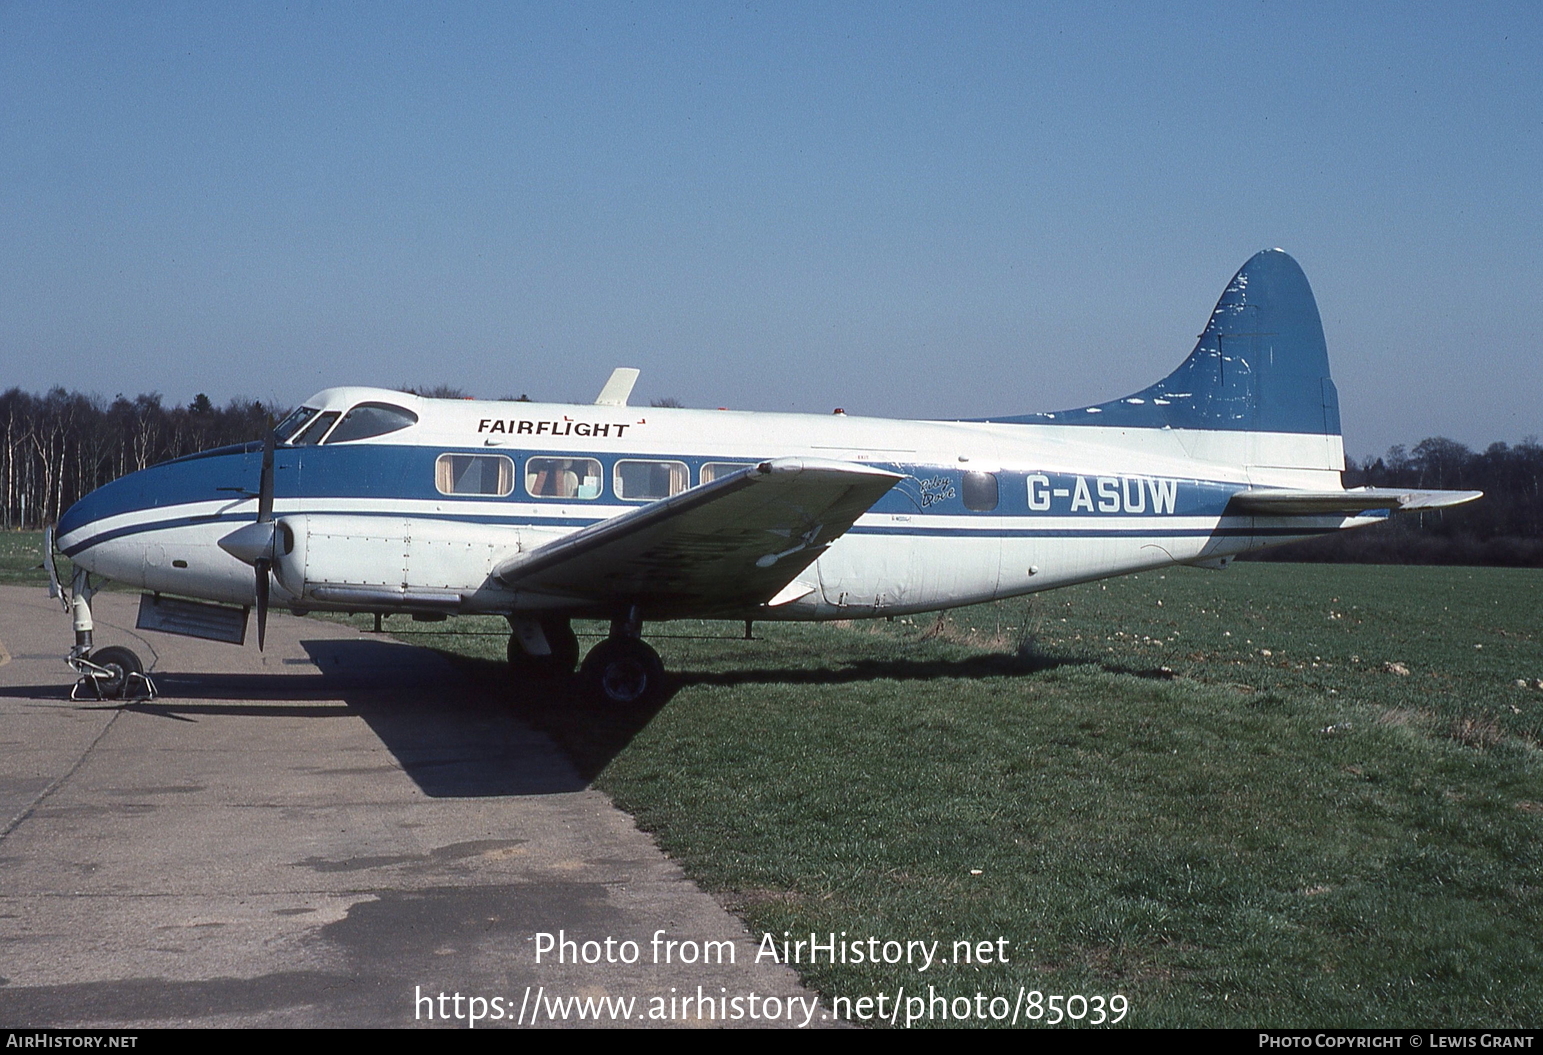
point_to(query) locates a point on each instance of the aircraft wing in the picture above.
(727, 545)
(1285, 502)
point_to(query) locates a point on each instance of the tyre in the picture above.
(564, 644)
(624, 672)
(119, 662)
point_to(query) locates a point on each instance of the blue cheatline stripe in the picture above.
(172, 522)
(578, 522)
(1224, 532)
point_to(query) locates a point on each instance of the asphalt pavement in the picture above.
(333, 832)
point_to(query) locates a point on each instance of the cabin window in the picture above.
(980, 491)
(293, 424)
(646, 480)
(311, 435)
(563, 478)
(474, 474)
(371, 419)
(713, 470)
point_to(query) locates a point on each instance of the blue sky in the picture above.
(905, 210)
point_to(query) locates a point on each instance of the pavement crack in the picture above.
(43, 795)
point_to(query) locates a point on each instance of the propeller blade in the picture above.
(262, 602)
(265, 482)
(54, 589)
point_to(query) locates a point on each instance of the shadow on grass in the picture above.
(990, 665)
(592, 733)
(589, 732)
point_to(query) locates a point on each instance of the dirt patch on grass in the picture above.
(741, 901)
(1482, 733)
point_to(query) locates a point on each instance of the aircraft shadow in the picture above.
(593, 733)
(450, 737)
(463, 727)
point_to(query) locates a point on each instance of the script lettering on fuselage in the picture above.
(519, 427)
(1102, 494)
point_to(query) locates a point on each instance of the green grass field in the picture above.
(21, 558)
(1283, 795)
(1215, 793)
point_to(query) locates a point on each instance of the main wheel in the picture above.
(564, 644)
(624, 671)
(119, 663)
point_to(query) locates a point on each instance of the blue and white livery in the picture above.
(378, 501)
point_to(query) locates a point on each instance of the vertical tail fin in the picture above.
(1261, 367)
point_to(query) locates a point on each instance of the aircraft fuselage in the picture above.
(983, 510)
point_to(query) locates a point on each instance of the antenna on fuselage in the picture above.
(618, 388)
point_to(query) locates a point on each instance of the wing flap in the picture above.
(1305, 503)
(733, 543)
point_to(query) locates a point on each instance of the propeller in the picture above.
(253, 543)
(264, 564)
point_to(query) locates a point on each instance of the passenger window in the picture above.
(713, 470)
(649, 480)
(371, 419)
(980, 492)
(563, 478)
(313, 433)
(474, 474)
(293, 424)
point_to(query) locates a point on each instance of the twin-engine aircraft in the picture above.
(366, 500)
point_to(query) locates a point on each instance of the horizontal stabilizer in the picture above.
(1356, 500)
(729, 545)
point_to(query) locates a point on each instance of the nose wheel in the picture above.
(111, 673)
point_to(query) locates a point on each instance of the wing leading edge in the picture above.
(729, 545)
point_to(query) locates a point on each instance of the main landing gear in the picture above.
(542, 648)
(622, 670)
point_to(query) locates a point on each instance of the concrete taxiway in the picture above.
(317, 835)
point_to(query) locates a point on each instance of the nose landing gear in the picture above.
(111, 673)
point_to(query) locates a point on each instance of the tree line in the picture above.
(56, 447)
(1505, 527)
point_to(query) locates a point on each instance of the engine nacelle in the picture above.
(337, 559)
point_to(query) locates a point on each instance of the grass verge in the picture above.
(1280, 795)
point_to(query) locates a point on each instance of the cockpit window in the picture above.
(371, 419)
(293, 424)
(311, 435)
